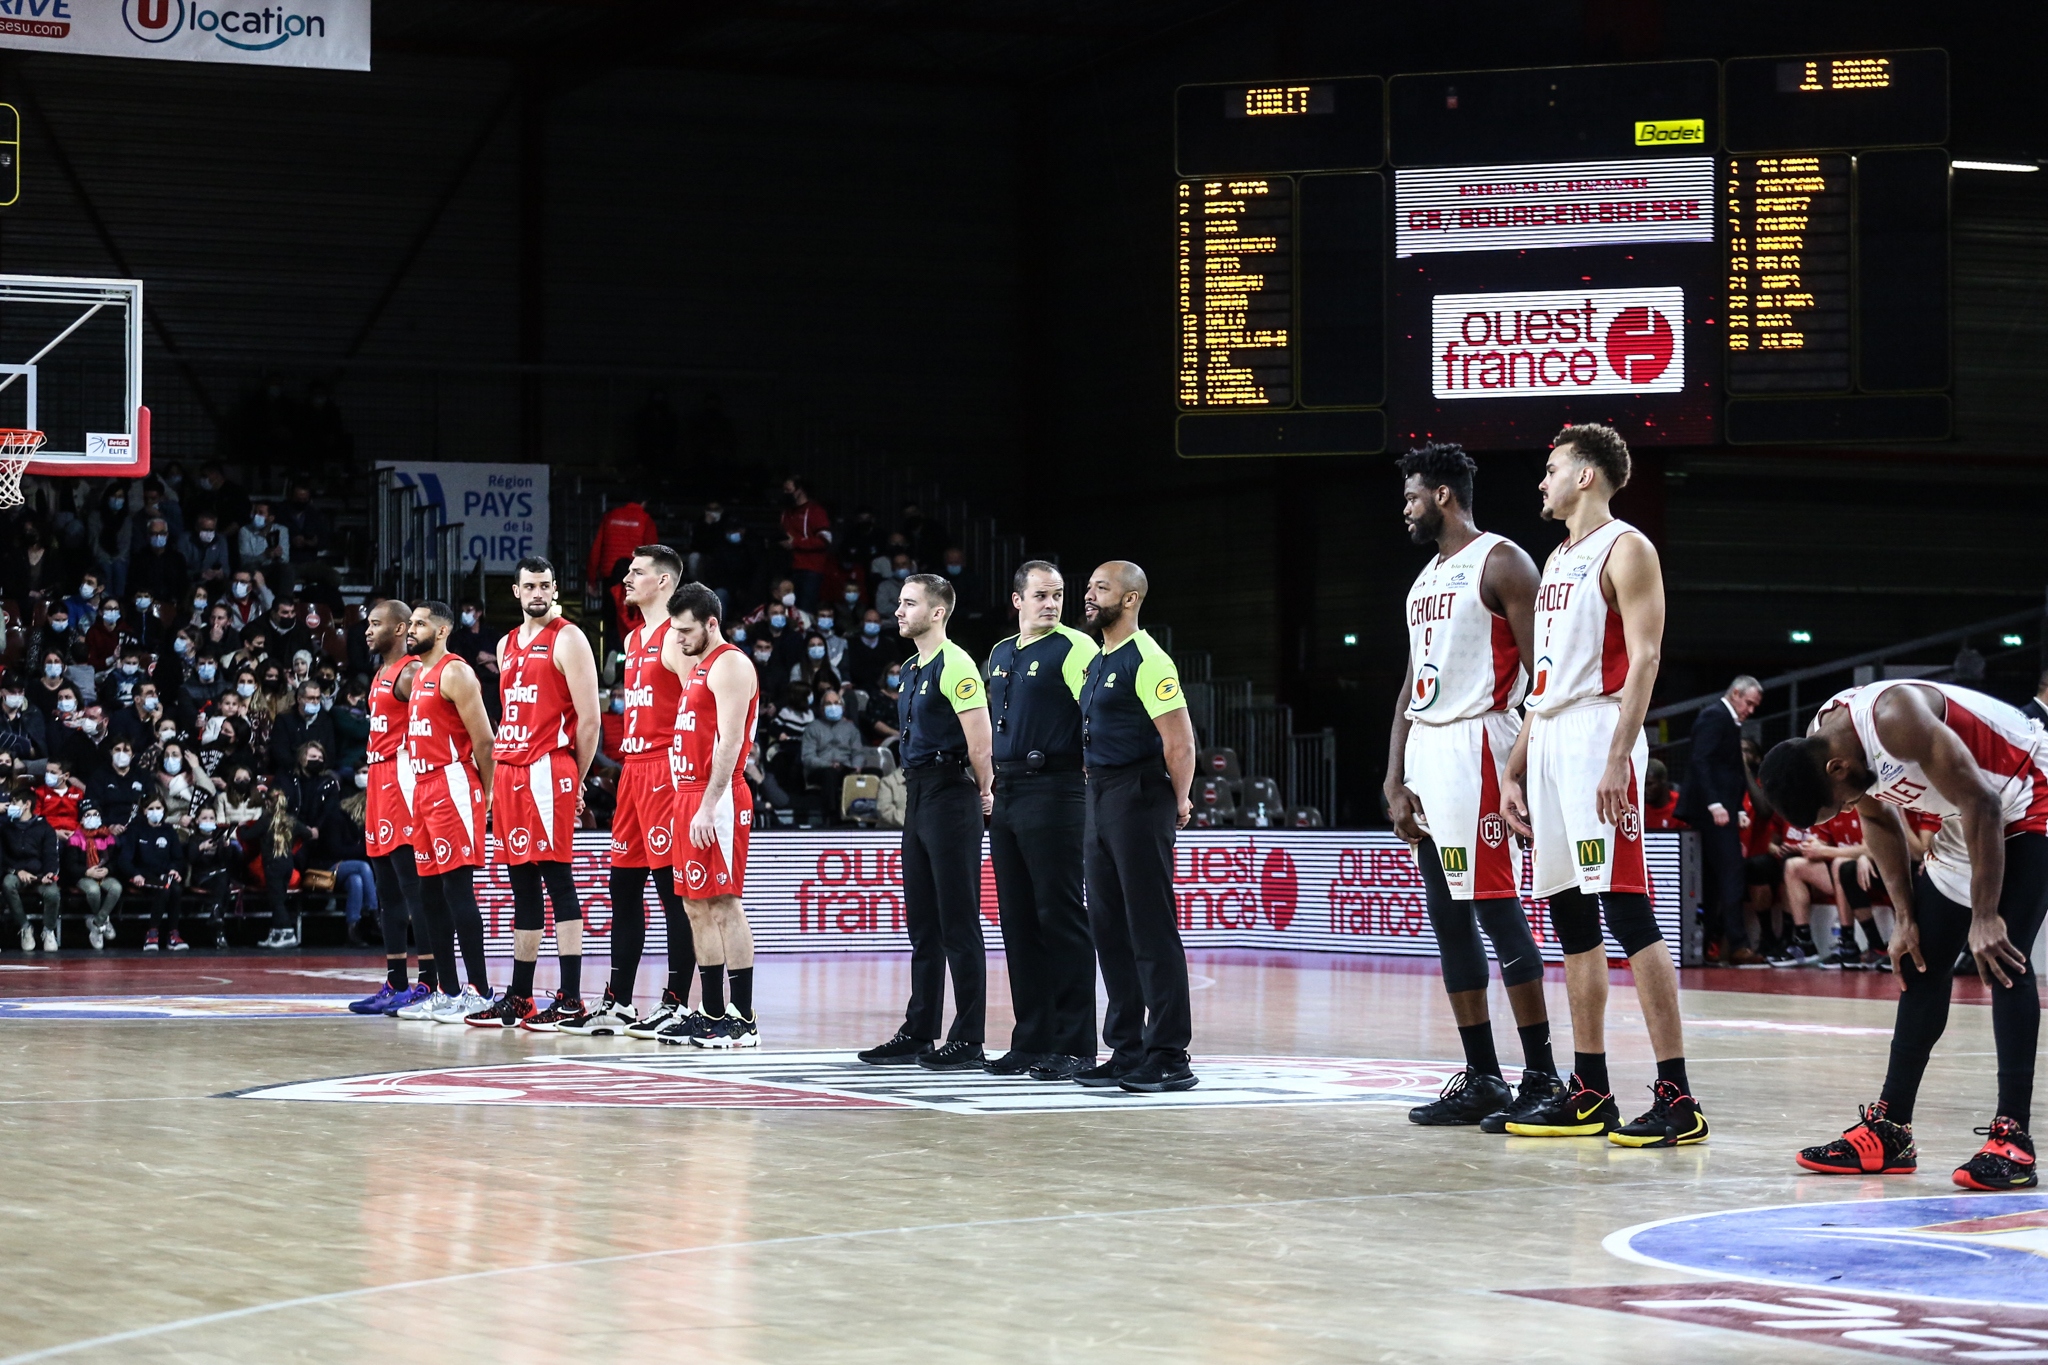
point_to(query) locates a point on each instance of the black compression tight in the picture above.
(399, 904)
(629, 927)
(452, 913)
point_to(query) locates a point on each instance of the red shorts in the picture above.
(447, 819)
(533, 809)
(641, 835)
(387, 812)
(721, 869)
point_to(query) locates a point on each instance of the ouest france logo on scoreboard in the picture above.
(1545, 343)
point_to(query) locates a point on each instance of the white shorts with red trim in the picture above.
(447, 819)
(387, 808)
(642, 835)
(533, 809)
(1567, 754)
(720, 868)
(1455, 770)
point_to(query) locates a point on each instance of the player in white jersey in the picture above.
(1982, 767)
(1469, 621)
(1574, 785)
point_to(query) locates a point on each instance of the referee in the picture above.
(942, 713)
(1034, 836)
(1139, 748)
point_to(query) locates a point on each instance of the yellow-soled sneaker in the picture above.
(1674, 1120)
(1573, 1112)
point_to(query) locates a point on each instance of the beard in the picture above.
(1106, 615)
(1425, 530)
(413, 645)
(536, 612)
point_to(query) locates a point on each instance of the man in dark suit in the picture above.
(1711, 802)
(2038, 707)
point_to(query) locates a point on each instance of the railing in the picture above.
(418, 556)
(1312, 773)
(1781, 714)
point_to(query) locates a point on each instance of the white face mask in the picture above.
(143, 601)
(469, 619)
(199, 606)
(206, 672)
(112, 618)
(362, 781)
(208, 826)
(122, 758)
(245, 690)
(182, 645)
(86, 590)
(15, 701)
(789, 599)
(53, 670)
(259, 521)
(68, 705)
(154, 815)
(90, 822)
(240, 589)
(206, 537)
(149, 703)
(53, 780)
(174, 764)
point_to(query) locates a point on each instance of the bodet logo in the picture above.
(1557, 342)
(251, 30)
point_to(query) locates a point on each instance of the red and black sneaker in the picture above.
(2004, 1162)
(1875, 1146)
(564, 1011)
(507, 1011)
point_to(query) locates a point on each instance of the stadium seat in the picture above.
(1304, 817)
(858, 796)
(1220, 763)
(1213, 794)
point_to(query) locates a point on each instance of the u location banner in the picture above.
(332, 34)
(1330, 891)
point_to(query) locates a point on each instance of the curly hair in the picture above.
(1598, 446)
(1441, 464)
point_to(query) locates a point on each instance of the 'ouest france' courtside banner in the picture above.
(324, 33)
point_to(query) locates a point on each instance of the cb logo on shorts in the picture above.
(1631, 826)
(1492, 829)
(694, 874)
(657, 840)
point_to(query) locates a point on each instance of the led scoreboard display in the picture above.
(1689, 251)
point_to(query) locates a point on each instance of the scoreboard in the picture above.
(1693, 252)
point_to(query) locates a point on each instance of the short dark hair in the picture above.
(695, 599)
(1600, 447)
(1030, 567)
(438, 612)
(534, 564)
(1441, 464)
(665, 560)
(1794, 775)
(936, 588)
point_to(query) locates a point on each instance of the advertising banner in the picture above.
(1579, 203)
(503, 508)
(1558, 343)
(1333, 891)
(332, 34)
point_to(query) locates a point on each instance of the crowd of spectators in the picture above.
(183, 709)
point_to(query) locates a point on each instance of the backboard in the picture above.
(71, 367)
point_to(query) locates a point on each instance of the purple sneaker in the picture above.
(417, 992)
(376, 1003)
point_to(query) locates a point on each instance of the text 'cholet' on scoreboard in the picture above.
(1693, 252)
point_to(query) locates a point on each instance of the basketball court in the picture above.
(547, 1197)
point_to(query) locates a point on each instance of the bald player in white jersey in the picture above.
(1574, 786)
(1469, 623)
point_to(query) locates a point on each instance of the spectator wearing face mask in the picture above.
(174, 667)
(86, 859)
(183, 785)
(209, 855)
(206, 552)
(780, 612)
(813, 668)
(263, 546)
(56, 798)
(29, 872)
(137, 721)
(23, 730)
(249, 597)
(767, 675)
(890, 590)
(307, 722)
(48, 684)
(849, 607)
(81, 607)
(826, 623)
(76, 739)
(871, 651)
(351, 721)
(832, 750)
(878, 721)
(241, 799)
(149, 858)
(119, 682)
(223, 739)
(116, 788)
(108, 633)
(80, 673)
(467, 640)
(158, 569)
(206, 685)
(287, 632)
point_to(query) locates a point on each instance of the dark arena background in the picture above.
(312, 313)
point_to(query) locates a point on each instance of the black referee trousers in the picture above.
(942, 901)
(1034, 841)
(1128, 854)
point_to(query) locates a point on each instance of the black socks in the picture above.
(572, 976)
(522, 978)
(394, 974)
(743, 990)
(1536, 1054)
(1674, 1072)
(1592, 1071)
(714, 989)
(1479, 1052)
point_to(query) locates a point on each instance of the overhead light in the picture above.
(1350, 639)
(1802, 637)
(2016, 167)
(2011, 641)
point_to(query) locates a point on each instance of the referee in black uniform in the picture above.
(1034, 836)
(1139, 748)
(942, 713)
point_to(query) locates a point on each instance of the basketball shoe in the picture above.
(611, 1018)
(1466, 1098)
(1674, 1120)
(375, 1004)
(562, 1011)
(418, 992)
(734, 1030)
(1575, 1112)
(427, 1008)
(2005, 1162)
(688, 1028)
(460, 1007)
(1874, 1145)
(1538, 1088)
(660, 1017)
(507, 1011)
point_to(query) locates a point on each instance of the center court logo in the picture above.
(251, 30)
(1553, 343)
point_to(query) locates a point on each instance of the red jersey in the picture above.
(697, 722)
(653, 694)
(434, 733)
(539, 716)
(1842, 831)
(388, 715)
(1761, 834)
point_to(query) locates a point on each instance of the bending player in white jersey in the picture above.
(1469, 623)
(1574, 785)
(1982, 767)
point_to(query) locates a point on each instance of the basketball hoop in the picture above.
(17, 448)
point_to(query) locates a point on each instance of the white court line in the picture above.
(344, 1295)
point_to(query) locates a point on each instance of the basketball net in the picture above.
(17, 448)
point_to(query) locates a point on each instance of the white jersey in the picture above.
(1463, 655)
(1581, 654)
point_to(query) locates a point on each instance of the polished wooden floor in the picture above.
(150, 1216)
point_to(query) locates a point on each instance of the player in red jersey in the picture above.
(714, 814)
(642, 839)
(548, 730)
(448, 743)
(387, 812)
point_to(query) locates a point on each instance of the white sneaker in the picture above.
(288, 938)
(460, 1007)
(610, 1019)
(426, 1008)
(49, 940)
(649, 1028)
(271, 941)
(28, 939)
(96, 934)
